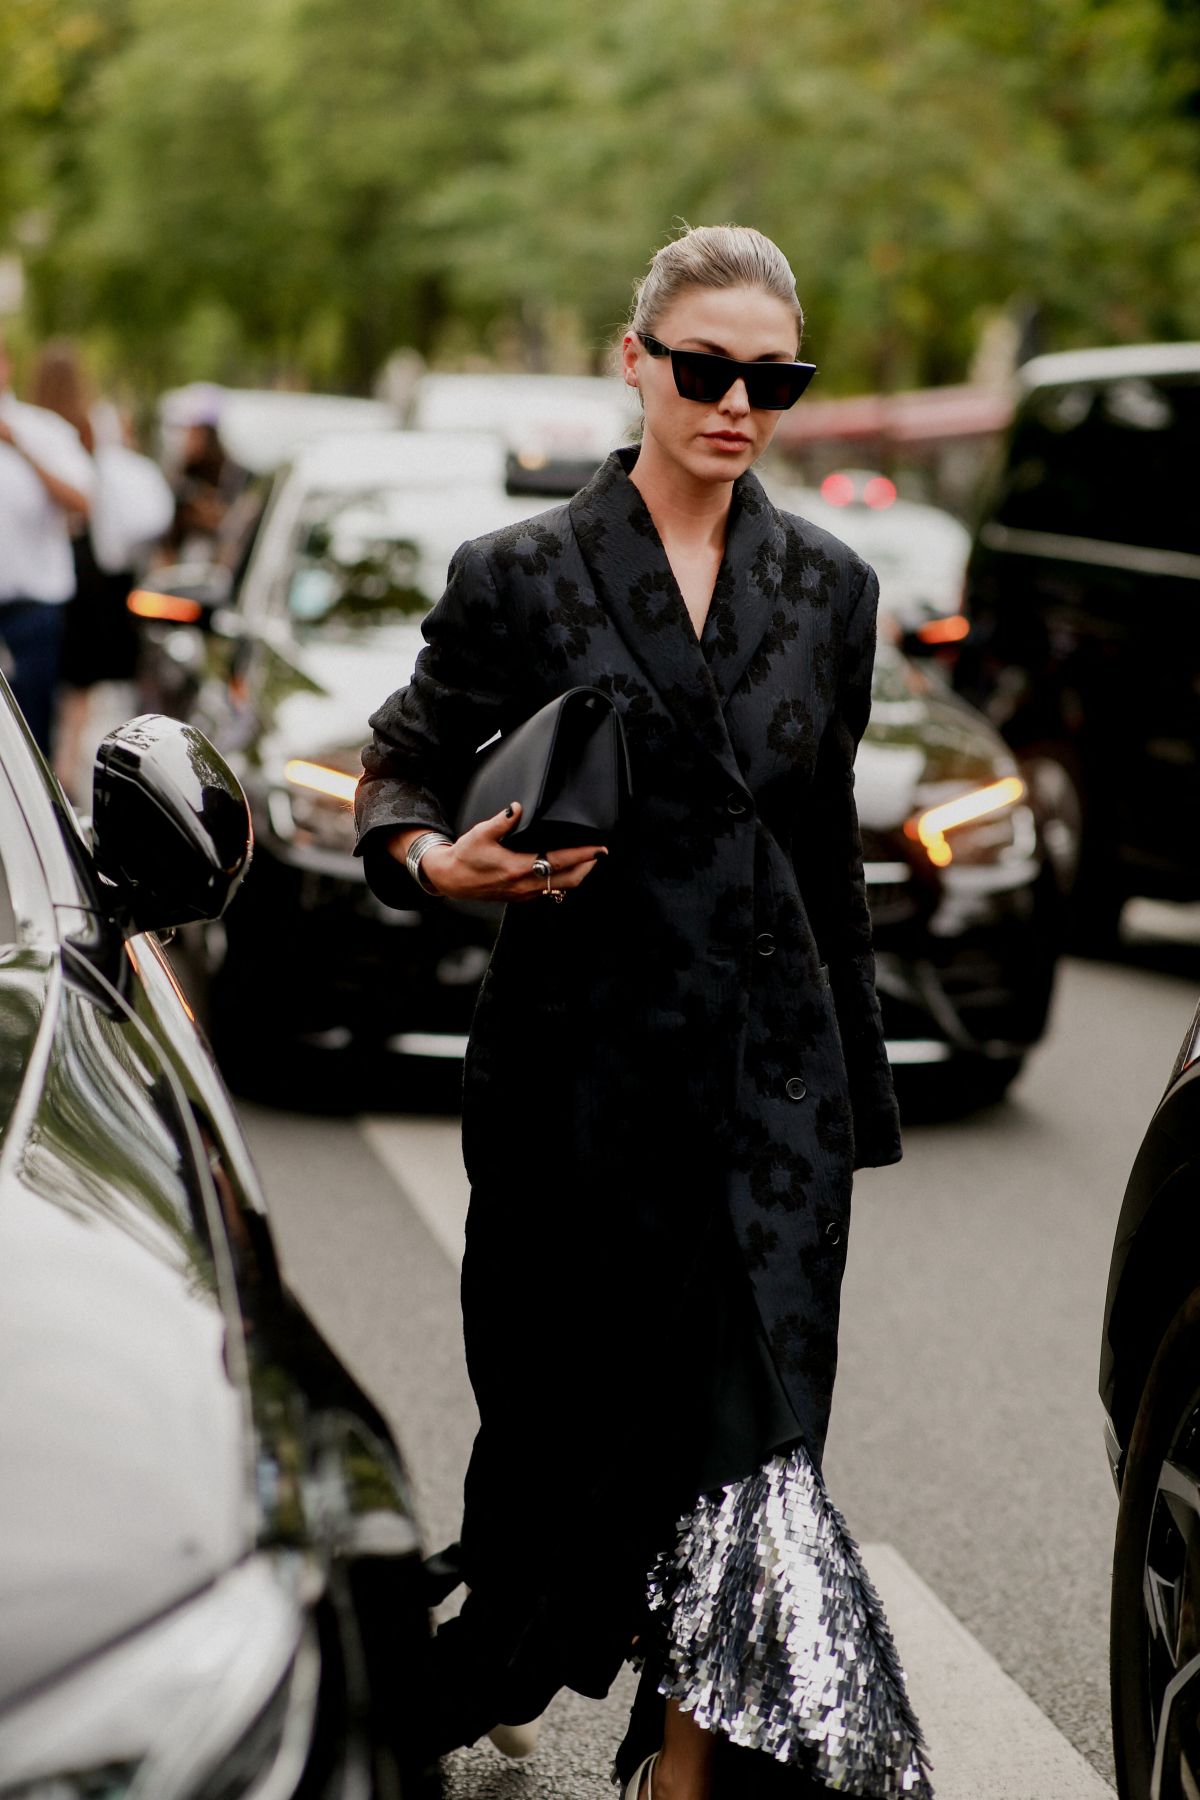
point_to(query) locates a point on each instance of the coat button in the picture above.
(833, 1232)
(764, 943)
(735, 805)
(795, 1089)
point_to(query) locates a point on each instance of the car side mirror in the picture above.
(183, 594)
(171, 830)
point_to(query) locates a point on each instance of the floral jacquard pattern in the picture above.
(697, 1026)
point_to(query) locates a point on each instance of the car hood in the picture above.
(315, 697)
(124, 1432)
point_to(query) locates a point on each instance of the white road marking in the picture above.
(424, 1159)
(987, 1739)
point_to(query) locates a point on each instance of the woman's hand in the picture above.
(478, 867)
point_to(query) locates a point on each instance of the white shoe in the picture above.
(516, 1740)
(634, 1790)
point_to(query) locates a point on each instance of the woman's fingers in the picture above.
(563, 860)
(504, 874)
(500, 824)
(530, 886)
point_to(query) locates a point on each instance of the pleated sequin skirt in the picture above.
(770, 1632)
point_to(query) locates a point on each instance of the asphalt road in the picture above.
(966, 1436)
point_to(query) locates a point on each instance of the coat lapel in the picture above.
(625, 558)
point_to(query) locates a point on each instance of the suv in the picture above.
(1084, 641)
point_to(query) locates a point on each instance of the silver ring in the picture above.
(541, 867)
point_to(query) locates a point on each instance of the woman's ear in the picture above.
(630, 353)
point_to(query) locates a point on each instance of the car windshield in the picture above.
(377, 556)
(1111, 460)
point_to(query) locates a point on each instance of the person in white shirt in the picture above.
(46, 476)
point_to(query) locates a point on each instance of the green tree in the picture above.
(309, 185)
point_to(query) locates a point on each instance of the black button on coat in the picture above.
(633, 1052)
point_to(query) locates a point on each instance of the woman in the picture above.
(670, 1078)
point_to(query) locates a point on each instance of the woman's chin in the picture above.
(708, 461)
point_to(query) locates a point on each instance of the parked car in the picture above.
(964, 902)
(327, 621)
(324, 623)
(210, 1578)
(1150, 1387)
(919, 552)
(1084, 640)
(540, 419)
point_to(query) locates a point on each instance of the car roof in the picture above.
(1113, 364)
(555, 416)
(415, 458)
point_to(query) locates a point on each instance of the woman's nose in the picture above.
(735, 399)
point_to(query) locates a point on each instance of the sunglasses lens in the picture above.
(775, 389)
(700, 377)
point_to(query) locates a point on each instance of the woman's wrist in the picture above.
(437, 857)
(413, 846)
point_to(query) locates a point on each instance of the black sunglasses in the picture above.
(770, 386)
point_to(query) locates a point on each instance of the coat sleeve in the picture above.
(425, 735)
(835, 892)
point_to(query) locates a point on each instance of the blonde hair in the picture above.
(713, 256)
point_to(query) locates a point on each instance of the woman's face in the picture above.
(717, 440)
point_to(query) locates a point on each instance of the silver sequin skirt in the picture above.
(772, 1634)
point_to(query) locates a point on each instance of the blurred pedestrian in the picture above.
(206, 483)
(670, 1079)
(132, 505)
(46, 485)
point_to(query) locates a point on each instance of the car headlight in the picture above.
(216, 1699)
(314, 807)
(976, 823)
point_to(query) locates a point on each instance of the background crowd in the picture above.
(82, 513)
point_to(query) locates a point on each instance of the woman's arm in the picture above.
(465, 687)
(73, 496)
(830, 870)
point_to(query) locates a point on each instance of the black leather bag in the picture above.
(568, 765)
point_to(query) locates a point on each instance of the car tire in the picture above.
(986, 1083)
(1085, 872)
(1154, 1627)
(1053, 785)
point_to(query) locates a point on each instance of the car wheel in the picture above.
(1085, 874)
(1155, 1618)
(1054, 796)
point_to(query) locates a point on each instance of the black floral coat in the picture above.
(691, 1040)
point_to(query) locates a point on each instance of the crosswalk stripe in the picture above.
(987, 1739)
(424, 1159)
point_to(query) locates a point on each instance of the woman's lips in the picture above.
(726, 440)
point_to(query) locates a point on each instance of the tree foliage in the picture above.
(307, 185)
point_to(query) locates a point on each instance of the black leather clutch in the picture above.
(568, 765)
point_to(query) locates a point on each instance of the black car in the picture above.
(1150, 1387)
(352, 552)
(1084, 642)
(210, 1578)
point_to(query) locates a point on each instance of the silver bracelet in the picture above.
(417, 849)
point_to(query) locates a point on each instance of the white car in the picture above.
(919, 552)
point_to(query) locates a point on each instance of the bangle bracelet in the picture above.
(417, 849)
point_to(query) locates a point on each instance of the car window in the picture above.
(379, 556)
(1113, 460)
